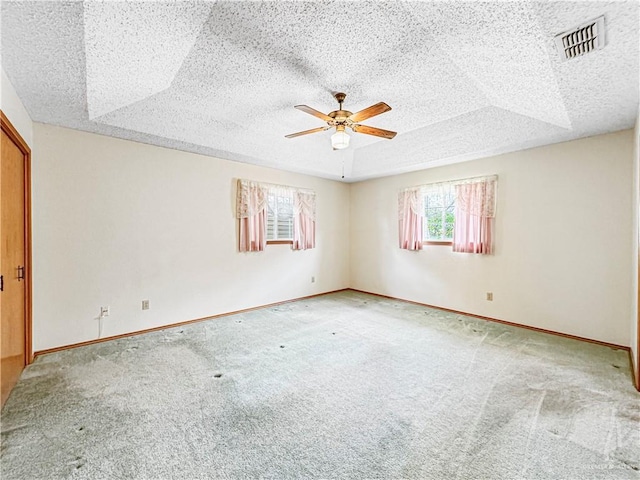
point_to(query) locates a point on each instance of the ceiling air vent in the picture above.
(584, 39)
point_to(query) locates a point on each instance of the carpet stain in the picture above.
(403, 393)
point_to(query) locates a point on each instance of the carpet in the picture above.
(341, 386)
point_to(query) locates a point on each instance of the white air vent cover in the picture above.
(584, 39)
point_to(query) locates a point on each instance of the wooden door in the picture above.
(15, 344)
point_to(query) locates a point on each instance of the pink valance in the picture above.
(304, 202)
(251, 198)
(477, 196)
(304, 220)
(251, 210)
(475, 215)
(410, 219)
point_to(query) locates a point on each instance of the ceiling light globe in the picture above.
(340, 140)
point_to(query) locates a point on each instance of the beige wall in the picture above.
(13, 108)
(563, 243)
(116, 222)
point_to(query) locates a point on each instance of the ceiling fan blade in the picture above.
(314, 112)
(306, 132)
(369, 112)
(378, 132)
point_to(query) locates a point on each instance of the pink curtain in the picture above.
(251, 208)
(304, 220)
(474, 216)
(410, 215)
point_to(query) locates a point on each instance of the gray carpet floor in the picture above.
(341, 386)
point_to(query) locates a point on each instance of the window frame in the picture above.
(438, 242)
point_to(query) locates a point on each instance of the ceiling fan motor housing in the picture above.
(340, 116)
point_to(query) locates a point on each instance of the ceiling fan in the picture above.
(341, 119)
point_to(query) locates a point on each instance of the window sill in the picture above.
(279, 242)
(435, 242)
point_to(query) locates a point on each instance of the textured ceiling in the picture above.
(464, 79)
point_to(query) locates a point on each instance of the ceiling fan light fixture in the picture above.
(340, 139)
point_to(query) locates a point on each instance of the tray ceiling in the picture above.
(465, 79)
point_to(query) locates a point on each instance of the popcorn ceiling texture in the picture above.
(464, 79)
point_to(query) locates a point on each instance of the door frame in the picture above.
(13, 134)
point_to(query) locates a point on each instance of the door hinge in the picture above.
(20, 273)
(1, 283)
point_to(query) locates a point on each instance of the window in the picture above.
(274, 214)
(459, 213)
(279, 216)
(439, 213)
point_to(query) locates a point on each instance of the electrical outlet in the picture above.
(490, 296)
(313, 279)
(145, 304)
(104, 311)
